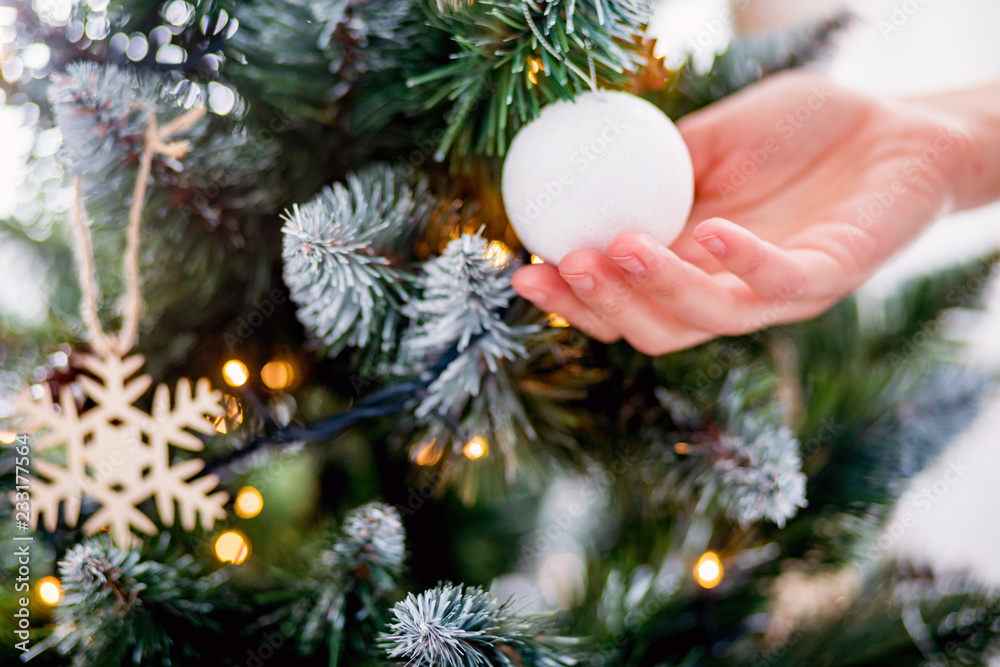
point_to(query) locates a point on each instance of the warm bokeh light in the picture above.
(248, 503)
(426, 452)
(498, 252)
(535, 259)
(557, 321)
(277, 375)
(8, 437)
(708, 571)
(232, 547)
(682, 448)
(235, 373)
(534, 67)
(49, 590)
(476, 448)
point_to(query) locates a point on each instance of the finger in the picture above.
(770, 271)
(541, 285)
(616, 297)
(720, 305)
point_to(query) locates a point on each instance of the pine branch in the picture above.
(464, 293)
(919, 313)
(344, 595)
(449, 626)
(760, 474)
(306, 56)
(364, 35)
(731, 444)
(275, 57)
(757, 458)
(102, 112)
(947, 621)
(500, 47)
(885, 399)
(372, 546)
(342, 251)
(209, 207)
(123, 607)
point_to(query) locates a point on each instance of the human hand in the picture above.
(802, 190)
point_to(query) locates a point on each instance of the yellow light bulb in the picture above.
(535, 259)
(232, 547)
(557, 321)
(49, 590)
(248, 503)
(476, 448)
(708, 571)
(235, 373)
(277, 374)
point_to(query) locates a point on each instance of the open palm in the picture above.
(802, 190)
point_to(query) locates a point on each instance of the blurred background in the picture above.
(900, 47)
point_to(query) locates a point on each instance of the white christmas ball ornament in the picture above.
(587, 171)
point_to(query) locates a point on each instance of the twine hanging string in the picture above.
(155, 143)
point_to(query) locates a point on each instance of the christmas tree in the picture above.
(300, 201)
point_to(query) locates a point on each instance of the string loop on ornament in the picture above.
(593, 70)
(154, 143)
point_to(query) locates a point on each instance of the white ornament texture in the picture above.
(120, 456)
(587, 171)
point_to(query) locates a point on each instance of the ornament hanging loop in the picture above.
(593, 70)
(155, 143)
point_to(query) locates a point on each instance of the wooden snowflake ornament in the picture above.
(119, 456)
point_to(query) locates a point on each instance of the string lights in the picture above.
(49, 590)
(232, 547)
(248, 503)
(235, 373)
(708, 571)
(476, 448)
(426, 452)
(277, 374)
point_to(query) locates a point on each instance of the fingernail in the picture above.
(534, 296)
(630, 263)
(713, 244)
(581, 282)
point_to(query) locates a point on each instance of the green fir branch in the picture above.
(464, 293)
(452, 626)
(126, 607)
(904, 620)
(305, 56)
(567, 46)
(343, 251)
(341, 603)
